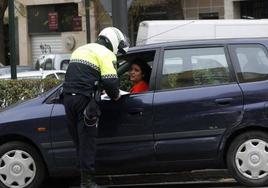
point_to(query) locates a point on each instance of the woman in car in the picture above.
(139, 74)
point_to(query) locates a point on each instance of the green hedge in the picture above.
(12, 91)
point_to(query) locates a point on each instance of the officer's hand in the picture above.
(117, 98)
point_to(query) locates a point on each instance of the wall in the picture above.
(25, 38)
(232, 9)
(193, 8)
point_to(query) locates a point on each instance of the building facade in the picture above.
(139, 10)
(49, 26)
(59, 26)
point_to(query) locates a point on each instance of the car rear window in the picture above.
(252, 62)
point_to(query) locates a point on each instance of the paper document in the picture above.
(106, 97)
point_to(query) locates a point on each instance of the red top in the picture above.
(139, 87)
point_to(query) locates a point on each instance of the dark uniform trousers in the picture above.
(84, 137)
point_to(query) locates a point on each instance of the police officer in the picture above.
(90, 64)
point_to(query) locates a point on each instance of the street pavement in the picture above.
(58, 184)
(195, 179)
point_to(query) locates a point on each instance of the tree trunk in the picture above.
(3, 6)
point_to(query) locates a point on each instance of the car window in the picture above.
(51, 76)
(253, 62)
(124, 63)
(125, 83)
(61, 76)
(64, 64)
(37, 65)
(194, 67)
(48, 64)
(56, 97)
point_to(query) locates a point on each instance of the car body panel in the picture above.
(155, 131)
(7, 69)
(189, 123)
(24, 120)
(121, 134)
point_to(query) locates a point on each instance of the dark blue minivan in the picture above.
(207, 107)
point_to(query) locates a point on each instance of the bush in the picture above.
(12, 91)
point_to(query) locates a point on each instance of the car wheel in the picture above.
(20, 166)
(247, 158)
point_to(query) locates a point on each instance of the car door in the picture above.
(125, 133)
(61, 141)
(125, 141)
(251, 64)
(197, 99)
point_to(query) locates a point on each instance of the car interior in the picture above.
(124, 65)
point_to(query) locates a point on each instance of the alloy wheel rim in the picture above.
(252, 159)
(17, 169)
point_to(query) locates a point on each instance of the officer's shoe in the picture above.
(92, 185)
(87, 181)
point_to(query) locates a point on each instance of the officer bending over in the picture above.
(90, 64)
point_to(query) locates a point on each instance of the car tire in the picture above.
(20, 166)
(247, 158)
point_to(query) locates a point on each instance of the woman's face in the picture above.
(135, 73)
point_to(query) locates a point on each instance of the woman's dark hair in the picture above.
(145, 68)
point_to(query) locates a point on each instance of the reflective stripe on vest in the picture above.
(98, 57)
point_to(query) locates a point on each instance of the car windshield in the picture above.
(43, 94)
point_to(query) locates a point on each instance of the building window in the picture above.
(256, 9)
(52, 18)
(212, 15)
(141, 10)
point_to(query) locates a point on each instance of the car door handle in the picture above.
(224, 101)
(135, 111)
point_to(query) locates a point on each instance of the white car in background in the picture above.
(41, 74)
(53, 61)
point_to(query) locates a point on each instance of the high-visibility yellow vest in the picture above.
(88, 64)
(98, 57)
